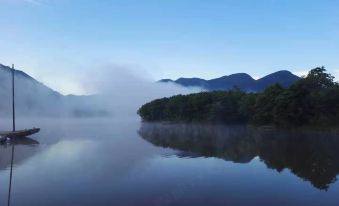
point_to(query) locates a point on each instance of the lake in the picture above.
(127, 162)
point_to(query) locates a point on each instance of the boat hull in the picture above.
(20, 133)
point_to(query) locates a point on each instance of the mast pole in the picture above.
(12, 158)
(13, 101)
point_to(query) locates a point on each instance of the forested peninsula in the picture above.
(312, 100)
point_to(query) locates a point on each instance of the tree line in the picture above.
(312, 100)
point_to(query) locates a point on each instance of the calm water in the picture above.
(125, 162)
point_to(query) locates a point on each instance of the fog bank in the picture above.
(122, 90)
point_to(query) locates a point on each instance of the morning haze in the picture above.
(161, 103)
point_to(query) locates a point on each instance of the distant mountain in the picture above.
(242, 81)
(34, 98)
(284, 78)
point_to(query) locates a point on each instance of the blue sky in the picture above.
(59, 41)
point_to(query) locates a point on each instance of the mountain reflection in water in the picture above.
(310, 154)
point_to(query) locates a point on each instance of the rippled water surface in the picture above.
(126, 162)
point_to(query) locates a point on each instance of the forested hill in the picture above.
(312, 100)
(242, 81)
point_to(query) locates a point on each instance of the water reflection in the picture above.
(311, 155)
(105, 162)
(7, 154)
(24, 149)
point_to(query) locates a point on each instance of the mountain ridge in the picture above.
(242, 81)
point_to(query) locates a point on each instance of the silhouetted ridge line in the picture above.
(241, 81)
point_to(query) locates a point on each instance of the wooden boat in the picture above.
(19, 133)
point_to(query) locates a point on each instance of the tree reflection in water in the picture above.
(312, 155)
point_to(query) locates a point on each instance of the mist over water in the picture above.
(122, 90)
(115, 91)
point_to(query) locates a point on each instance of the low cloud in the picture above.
(117, 90)
(123, 89)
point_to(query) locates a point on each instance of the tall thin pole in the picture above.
(13, 100)
(12, 157)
